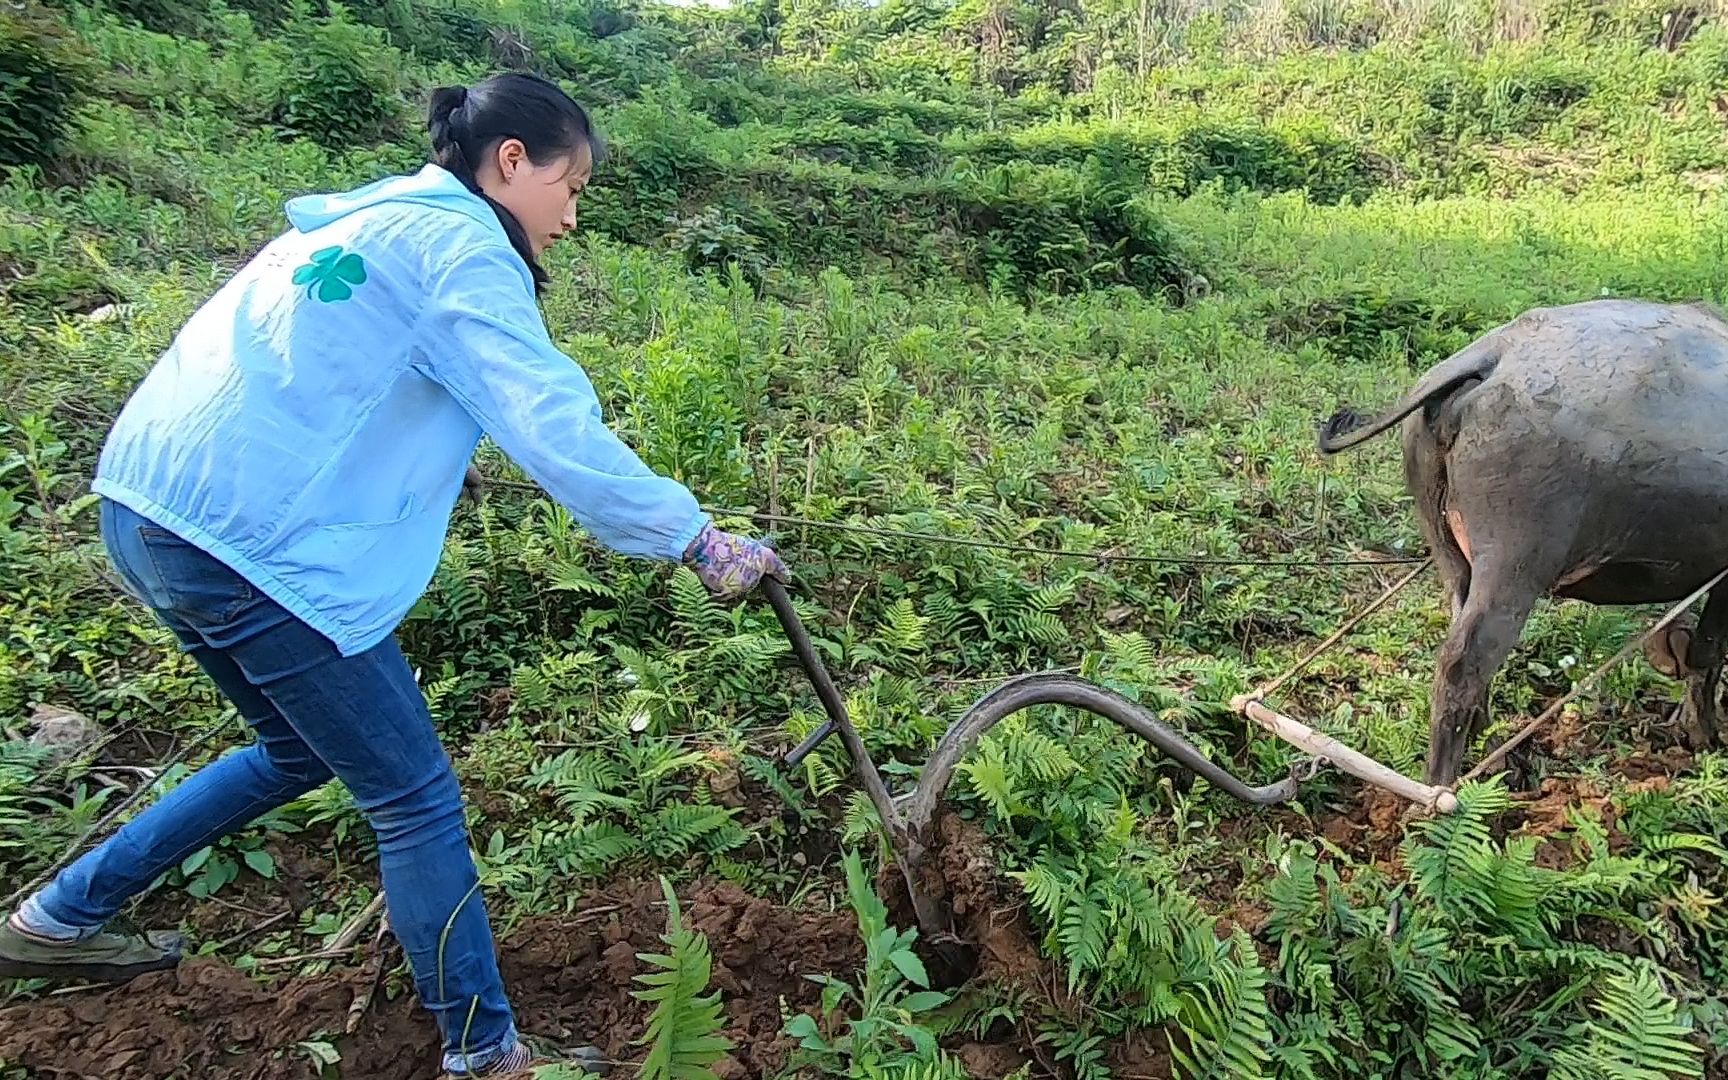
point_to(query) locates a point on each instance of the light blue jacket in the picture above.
(311, 424)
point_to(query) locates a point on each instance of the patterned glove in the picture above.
(731, 565)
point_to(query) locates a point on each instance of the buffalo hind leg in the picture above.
(1697, 714)
(1482, 636)
(1445, 534)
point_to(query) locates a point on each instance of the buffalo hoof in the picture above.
(1697, 727)
(1667, 650)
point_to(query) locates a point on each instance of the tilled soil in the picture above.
(568, 977)
(571, 976)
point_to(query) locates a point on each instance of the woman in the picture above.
(278, 490)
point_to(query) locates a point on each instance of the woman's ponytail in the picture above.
(441, 124)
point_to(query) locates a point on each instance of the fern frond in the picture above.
(1084, 931)
(987, 773)
(674, 830)
(1228, 1020)
(1637, 1036)
(694, 607)
(905, 629)
(683, 1029)
(592, 848)
(573, 577)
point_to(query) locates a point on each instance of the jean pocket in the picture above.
(200, 588)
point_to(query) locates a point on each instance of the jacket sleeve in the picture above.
(481, 337)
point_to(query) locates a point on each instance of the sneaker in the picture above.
(531, 1052)
(103, 957)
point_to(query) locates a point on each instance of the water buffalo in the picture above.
(1580, 452)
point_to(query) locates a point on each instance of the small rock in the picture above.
(590, 1059)
(730, 1068)
(109, 312)
(61, 731)
(620, 960)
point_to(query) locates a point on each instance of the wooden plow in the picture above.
(908, 820)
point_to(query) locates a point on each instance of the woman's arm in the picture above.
(483, 339)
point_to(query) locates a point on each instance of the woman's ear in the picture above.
(512, 156)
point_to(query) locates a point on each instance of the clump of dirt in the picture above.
(990, 1061)
(1142, 1055)
(1371, 826)
(573, 979)
(960, 873)
(568, 976)
(1648, 764)
(1547, 811)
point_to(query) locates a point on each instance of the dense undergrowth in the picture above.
(1059, 277)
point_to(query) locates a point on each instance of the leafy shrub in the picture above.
(1260, 159)
(656, 153)
(266, 14)
(730, 102)
(1359, 324)
(341, 88)
(714, 239)
(1250, 157)
(42, 73)
(893, 143)
(1040, 229)
(448, 31)
(867, 110)
(180, 17)
(1483, 101)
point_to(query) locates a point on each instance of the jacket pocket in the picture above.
(403, 514)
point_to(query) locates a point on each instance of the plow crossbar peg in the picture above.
(797, 754)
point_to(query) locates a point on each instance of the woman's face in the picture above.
(543, 197)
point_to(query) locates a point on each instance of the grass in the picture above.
(954, 378)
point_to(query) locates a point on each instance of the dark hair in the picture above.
(467, 122)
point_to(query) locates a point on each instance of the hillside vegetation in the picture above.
(1051, 274)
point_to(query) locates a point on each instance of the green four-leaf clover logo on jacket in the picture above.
(332, 274)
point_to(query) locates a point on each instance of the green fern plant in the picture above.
(683, 1030)
(1636, 1035)
(1226, 1018)
(1455, 864)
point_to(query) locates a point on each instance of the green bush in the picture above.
(893, 144)
(1261, 159)
(447, 31)
(269, 15)
(183, 18)
(715, 239)
(341, 88)
(657, 155)
(42, 74)
(1046, 229)
(1360, 324)
(1502, 100)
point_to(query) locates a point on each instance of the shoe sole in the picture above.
(107, 973)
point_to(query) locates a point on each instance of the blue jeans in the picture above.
(317, 714)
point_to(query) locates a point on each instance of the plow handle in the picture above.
(813, 667)
(833, 705)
